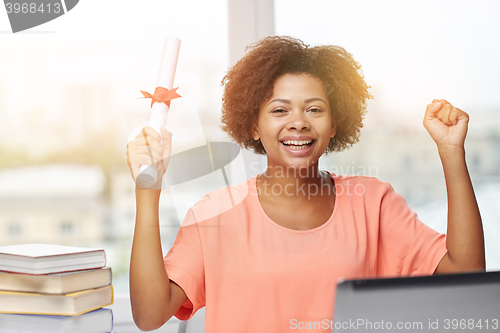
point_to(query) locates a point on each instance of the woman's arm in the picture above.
(447, 126)
(153, 296)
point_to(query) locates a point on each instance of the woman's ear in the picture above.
(255, 134)
(334, 129)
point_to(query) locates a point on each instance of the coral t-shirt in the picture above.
(254, 275)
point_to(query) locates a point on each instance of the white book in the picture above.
(49, 258)
(97, 321)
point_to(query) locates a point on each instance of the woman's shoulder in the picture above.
(358, 179)
(221, 200)
(361, 186)
(238, 191)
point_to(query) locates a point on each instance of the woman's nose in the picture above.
(298, 121)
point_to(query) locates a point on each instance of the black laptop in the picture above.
(468, 302)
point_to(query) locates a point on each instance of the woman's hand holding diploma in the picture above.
(149, 148)
(447, 126)
(154, 298)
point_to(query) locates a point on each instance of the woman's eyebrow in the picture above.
(282, 100)
(287, 101)
(309, 100)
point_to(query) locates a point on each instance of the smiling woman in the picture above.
(271, 262)
(296, 122)
(250, 82)
(295, 127)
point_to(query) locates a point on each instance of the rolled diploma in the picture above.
(159, 111)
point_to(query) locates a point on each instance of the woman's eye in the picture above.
(278, 111)
(314, 110)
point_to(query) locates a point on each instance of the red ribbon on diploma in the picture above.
(162, 95)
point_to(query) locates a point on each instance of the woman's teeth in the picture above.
(297, 144)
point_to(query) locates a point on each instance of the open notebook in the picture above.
(457, 302)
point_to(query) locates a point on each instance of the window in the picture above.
(66, 228)
(14, 229)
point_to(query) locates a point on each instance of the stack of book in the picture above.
(54, 288)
